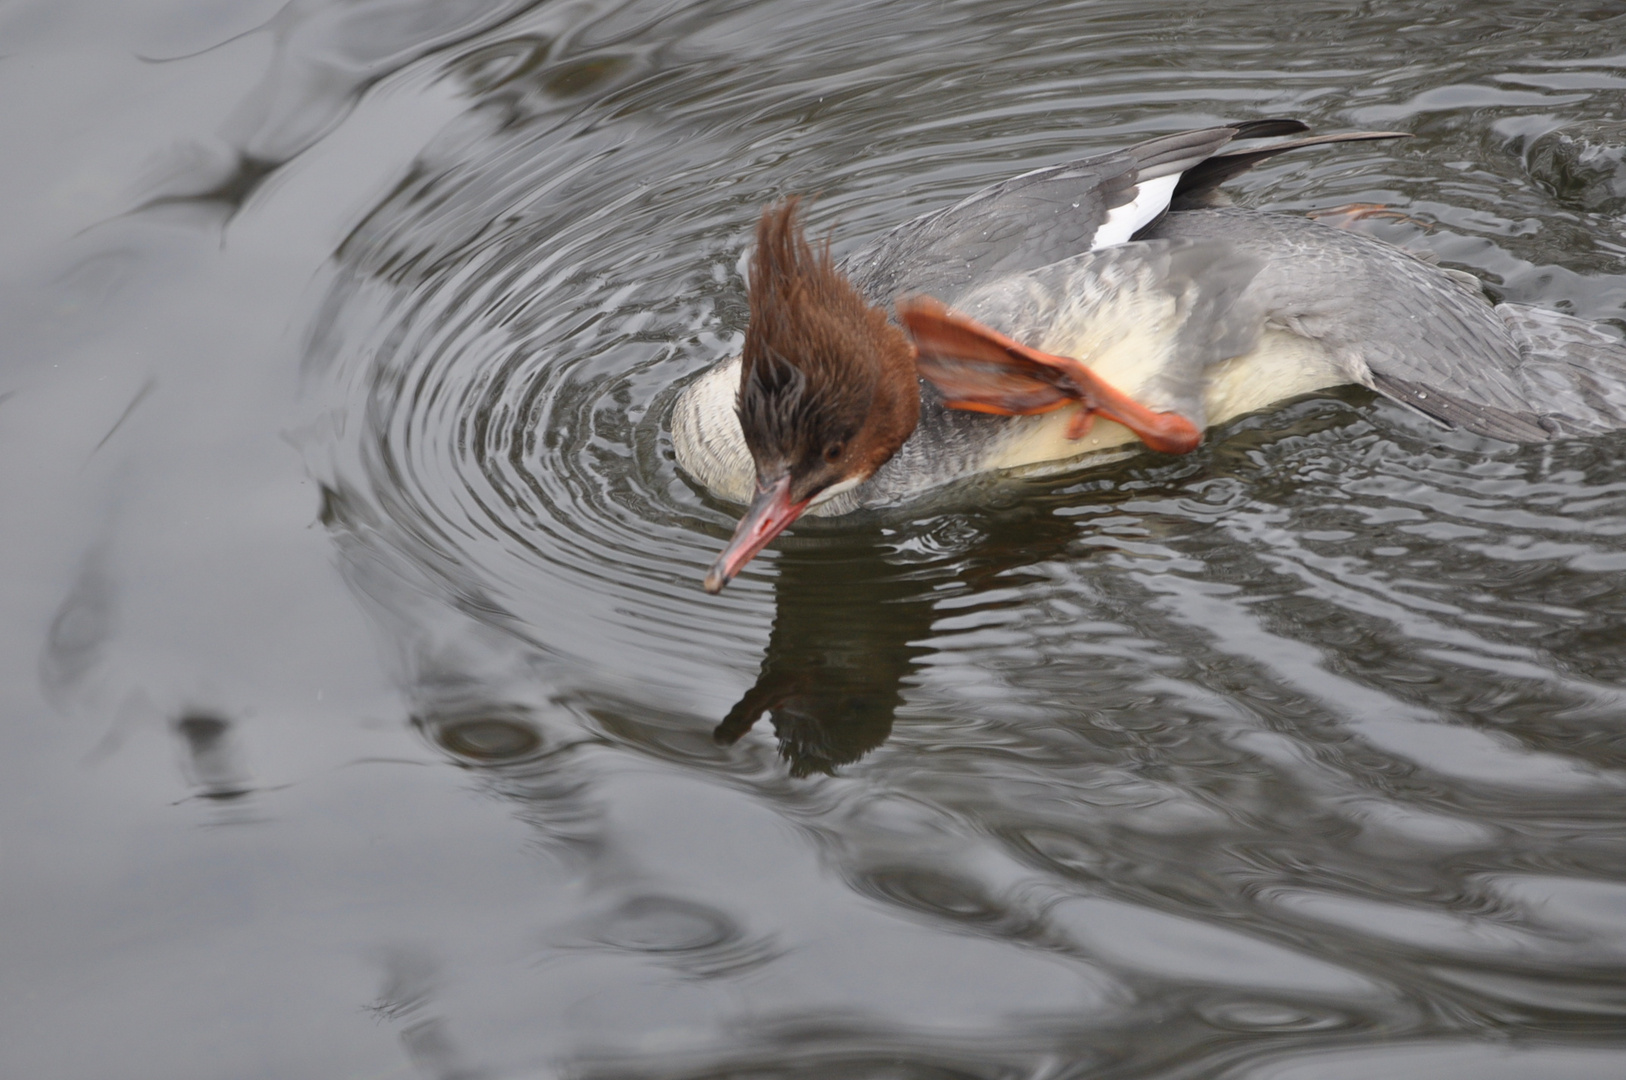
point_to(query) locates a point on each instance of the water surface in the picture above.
(366, 717)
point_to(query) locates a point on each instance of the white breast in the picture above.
(706, 434)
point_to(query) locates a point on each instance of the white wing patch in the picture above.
(1151, 199)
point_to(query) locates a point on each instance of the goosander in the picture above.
(1080, 313)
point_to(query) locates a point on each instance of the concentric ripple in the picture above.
(1313, 729)
(507, 326)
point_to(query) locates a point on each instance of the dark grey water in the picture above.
(364, 715)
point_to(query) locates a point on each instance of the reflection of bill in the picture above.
(851, 619)
(846, 634)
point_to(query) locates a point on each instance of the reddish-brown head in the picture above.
(827, 385)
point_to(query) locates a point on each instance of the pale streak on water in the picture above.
(361, 695)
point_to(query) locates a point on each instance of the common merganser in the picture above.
(1089, 322)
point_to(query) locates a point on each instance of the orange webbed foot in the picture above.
(1080, 425)
(977, 368)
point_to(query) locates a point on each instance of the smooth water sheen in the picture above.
(364, 714)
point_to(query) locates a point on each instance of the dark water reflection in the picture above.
(368, 718)
(846, 634)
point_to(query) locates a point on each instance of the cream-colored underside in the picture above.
(710, 447)
(1283, 365)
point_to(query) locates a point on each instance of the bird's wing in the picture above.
(1149, 318)
(1197, 183)
(1390, 321)
(1040, 217)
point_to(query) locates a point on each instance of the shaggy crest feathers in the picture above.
(817, 354)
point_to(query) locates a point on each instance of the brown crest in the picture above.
(827, 382)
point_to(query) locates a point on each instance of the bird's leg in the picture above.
(977, 368)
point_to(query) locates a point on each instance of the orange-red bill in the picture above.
(977, 368)
(769, 514)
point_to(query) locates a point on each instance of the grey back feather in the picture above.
(1198, 290)
(1419, 334)
(1387, 319)
(1022, 223)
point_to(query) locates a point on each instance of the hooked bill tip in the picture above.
(767, 516)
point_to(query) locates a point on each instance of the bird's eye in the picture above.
(832, 453)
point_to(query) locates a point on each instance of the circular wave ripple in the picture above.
(505, 329)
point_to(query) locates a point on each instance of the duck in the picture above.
(1080, 313)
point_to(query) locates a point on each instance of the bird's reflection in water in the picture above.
(846, 632)
(851, 620)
